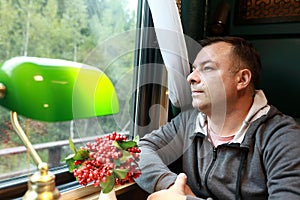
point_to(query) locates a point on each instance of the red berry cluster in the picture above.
(116, 136)
(104, 158)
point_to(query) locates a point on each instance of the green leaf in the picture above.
(72, 146)
(107, 186)
(71, 165)
(69, 157)
(81, 154)
(127, 144)
(125, 156)
(121, 173)
(116, 144)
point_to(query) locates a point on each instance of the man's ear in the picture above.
(243, 78)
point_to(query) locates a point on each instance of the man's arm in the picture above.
(281, 158)
(159, 149)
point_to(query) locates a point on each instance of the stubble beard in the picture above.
(202, 105)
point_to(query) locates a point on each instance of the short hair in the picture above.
(243, 50)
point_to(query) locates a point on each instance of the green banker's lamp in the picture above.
(52, 90)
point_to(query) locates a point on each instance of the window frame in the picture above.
(141, 103)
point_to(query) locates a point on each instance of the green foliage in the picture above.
(72, 146)
(77, 155)
(125, 144)
(107, 186)
(120, 173)
(67, 29)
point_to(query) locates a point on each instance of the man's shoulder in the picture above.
(276, 123)
(275, 116)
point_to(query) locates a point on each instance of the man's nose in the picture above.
(194, 77)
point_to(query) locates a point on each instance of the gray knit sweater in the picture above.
(265, 165)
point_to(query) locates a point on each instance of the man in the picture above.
(233, 145)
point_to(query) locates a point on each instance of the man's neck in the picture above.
(230, 121)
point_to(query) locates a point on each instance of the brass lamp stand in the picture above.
(41, 185)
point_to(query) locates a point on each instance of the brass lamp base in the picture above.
(41, 185)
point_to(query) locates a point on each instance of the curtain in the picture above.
(170, 37)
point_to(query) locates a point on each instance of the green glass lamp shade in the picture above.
(56, 90)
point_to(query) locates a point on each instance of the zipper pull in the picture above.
(214, 153)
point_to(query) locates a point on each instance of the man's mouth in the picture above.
(196, 91)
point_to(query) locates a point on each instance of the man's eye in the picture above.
(207, 68)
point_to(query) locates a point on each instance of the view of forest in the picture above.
(94, 32)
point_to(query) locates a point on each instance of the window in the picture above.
(99, 33)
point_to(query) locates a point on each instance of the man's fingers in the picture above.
(175, 192)
(180, 180)
(179, 185)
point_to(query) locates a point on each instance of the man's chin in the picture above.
(200, 106)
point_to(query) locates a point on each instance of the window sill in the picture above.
(92, 193)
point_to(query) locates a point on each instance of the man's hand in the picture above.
(178, 191)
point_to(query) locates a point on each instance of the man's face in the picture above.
(212, 82)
